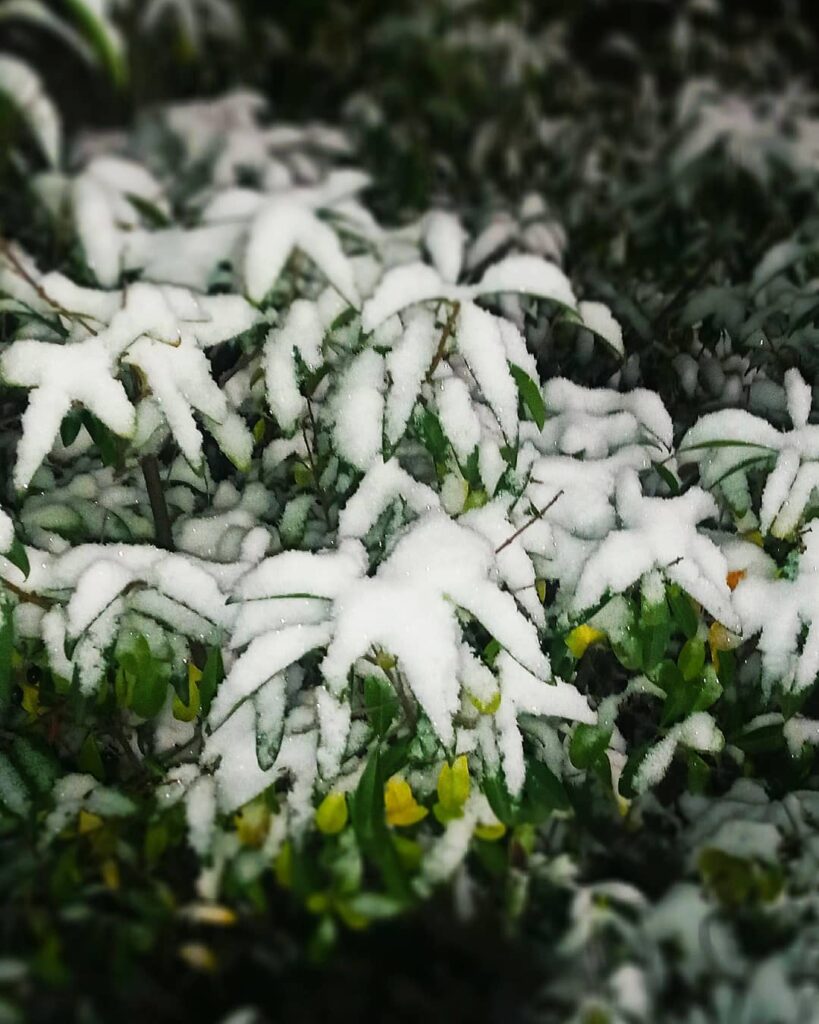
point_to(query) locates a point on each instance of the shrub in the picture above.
(350, 558)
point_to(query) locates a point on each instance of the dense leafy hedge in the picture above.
(408, 525)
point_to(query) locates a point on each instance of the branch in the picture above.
(528, 523)
(19, 268)
(159, 509)
(446, 334)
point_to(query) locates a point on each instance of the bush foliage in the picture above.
(408, 531)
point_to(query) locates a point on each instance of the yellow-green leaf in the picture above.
(331, 814)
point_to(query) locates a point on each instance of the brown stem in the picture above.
(19, 268)
(446, 334)
(156, 495)
(26, 597)
(528, 523)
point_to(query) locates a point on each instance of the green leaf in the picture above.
(668, 478)
(588, 744)
(6, 651)
(103, 438)
(626, 784)
(89, 759)
(14, 794)
(654, 643)
(367, 802)
(683, 611)
(432, 435)
(543, 793)
(699, 772)
(70, 427)
(102, 35)
(691, 659)
(500, 800)
(761, 739)
(380, 703)
(18, 557)
(212, 675)
(36, 763)
(150, 212)
(150, 683)
(530, 395)
(709, 690)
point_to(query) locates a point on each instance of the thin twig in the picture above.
(325, 506)
(19, 268)
(528, 523)
(27, 597)
(446, 334)
(163, 534)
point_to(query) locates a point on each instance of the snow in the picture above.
(444, 238)
(481, 344)
(597, 317)
(6, 531)
(491, 464)
(293, 573)
(529, 275)
(282, 226)
(778, 609)
(359, 410)
(395, 615)
(264, 658)
(457, 562)
(594, 421)
(698, 731)
(383, 483)
(82, 372)
(458, 419)
(789, 487)
(407, 365)
(402, 287)
(23, 88)
(179, 377)
(334, 718)
(96, 589)
(658, 533)
(799, 731)
(302, 332)
(524, 693)
(200, 814)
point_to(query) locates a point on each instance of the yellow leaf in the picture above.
(486, 707)
(400, 805)
(720, 639)
(318, 902)
(187, 712)
(31, 699)
(490, 833)
(283, 866)
(352, 918)
(385, 661)
(582, 637)
(210, 913)
(252, 823)
(198, 956)
(110, 873)
(453, 786)
(331, 814)
(540, 588)
(88, 822)
(734, 578)
(755, 537)
(258, 429)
